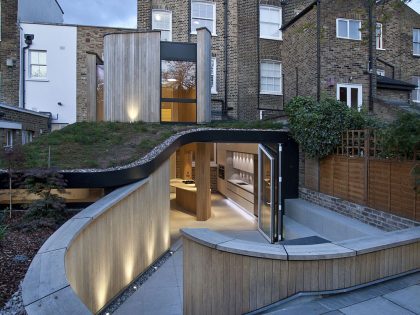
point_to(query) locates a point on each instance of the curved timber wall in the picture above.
(223, 275)
(101, 250)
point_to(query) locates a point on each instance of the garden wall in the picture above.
(387, 185)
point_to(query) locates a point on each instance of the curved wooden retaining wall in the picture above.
(229, 276)
(97, 253)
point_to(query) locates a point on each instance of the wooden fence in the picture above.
(355, 173)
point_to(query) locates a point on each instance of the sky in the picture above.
(116, 13)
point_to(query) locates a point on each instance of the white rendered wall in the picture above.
(41, 95)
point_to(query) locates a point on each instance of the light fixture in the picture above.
(135, 287)
(172, 80)
(171, 253)
(158, 17)
(155, 268)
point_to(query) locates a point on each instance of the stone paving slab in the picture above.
(376, 306)
(408, 298)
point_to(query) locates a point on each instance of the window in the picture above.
(38, 64)
(178, 91)
(379, 36)
(27, 136)
(416, 41)
(9, 138)
(271, 80)
(203, 14)
(349, 29)
(350, 94)
(162, 20)
(416, 92)
(213, 78)
(270, 22)
(380, 72)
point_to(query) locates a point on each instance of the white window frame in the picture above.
(416, 43)
(380, 72)
(213, 33)
(348, 29)
(9, 138)
(214, 75)
(27, 136)
(380, 38)
(164, 12)
(279, 9)
(30, 64)
(417, 90)
(264, 92)
(350, 86)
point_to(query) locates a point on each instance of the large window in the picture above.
(162, 20)
(416, 92)
(349, 29)
(350, 94)
(270, 22)
(179, 91)
(213, 76)
(379, 36)
(416, 41)
(271, 77)
(38, 64)
(203, 14)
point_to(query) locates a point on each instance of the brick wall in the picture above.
(30, 121)
(89, 39)
(300, 57)
(398, 22)
(342, 60)
(9, 48)
(382, 220)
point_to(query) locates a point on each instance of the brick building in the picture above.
(364, 56)
(256, 72)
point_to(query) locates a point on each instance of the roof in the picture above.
(393, 84)
(301, 14)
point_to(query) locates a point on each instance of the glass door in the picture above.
(268, 193)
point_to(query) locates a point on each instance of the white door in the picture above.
(351, 94)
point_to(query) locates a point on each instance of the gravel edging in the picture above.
(15, 304)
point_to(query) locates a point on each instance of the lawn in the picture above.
(107, 144)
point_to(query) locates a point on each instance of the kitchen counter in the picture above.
(186, 195)
(242, 184)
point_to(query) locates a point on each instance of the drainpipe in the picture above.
(318, 48)
(370, 56)
(224, 104)
(28, 41)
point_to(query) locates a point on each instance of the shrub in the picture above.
(317, 126)
(401, 138)
(41, 182)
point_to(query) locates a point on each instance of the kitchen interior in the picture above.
(229, 170)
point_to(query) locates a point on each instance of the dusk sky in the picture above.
(117, 13)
